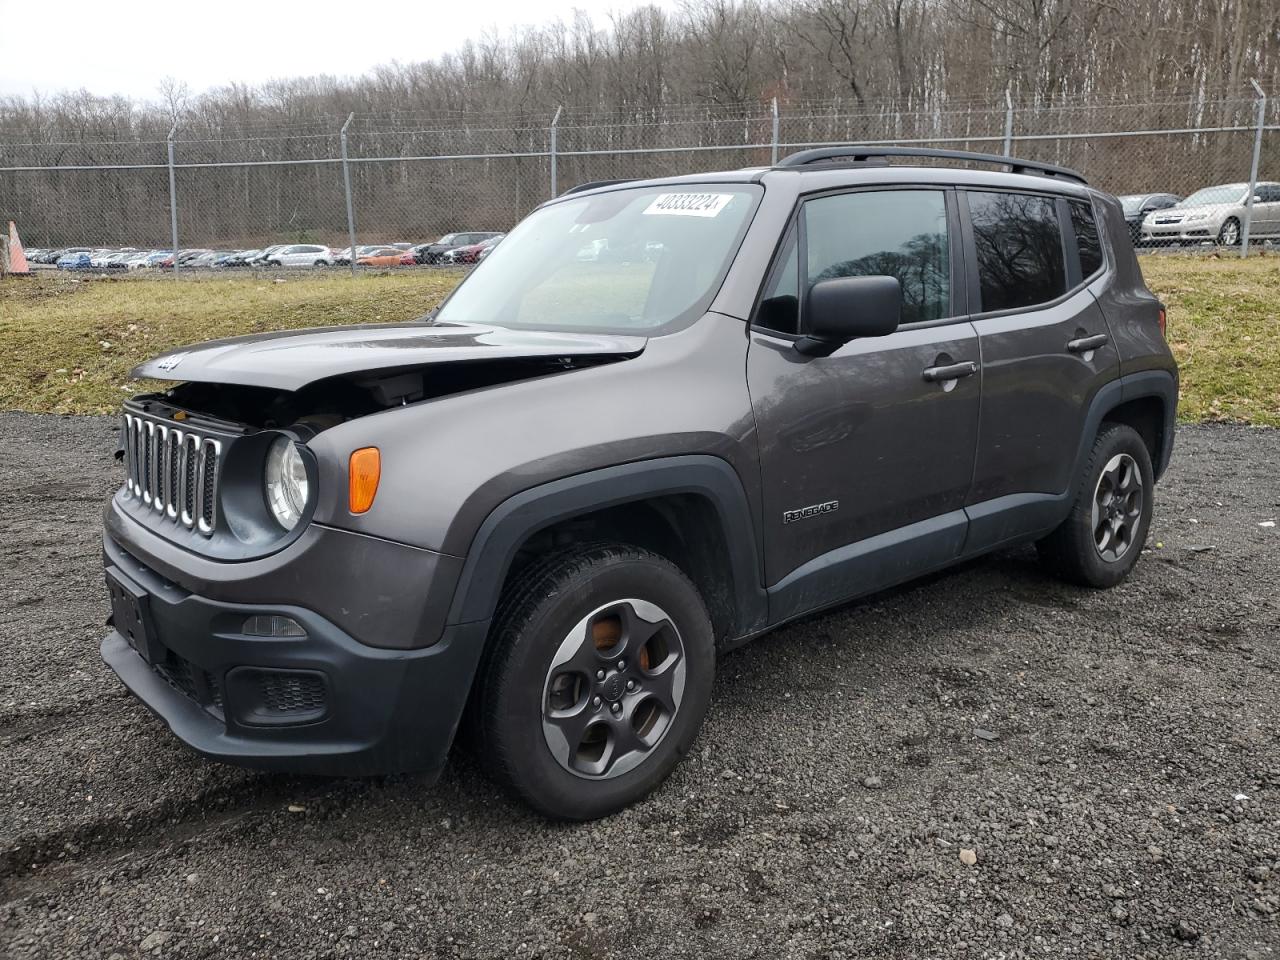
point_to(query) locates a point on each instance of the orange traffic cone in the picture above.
(17, 258)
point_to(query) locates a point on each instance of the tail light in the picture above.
(1162, 320)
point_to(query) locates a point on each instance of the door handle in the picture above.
(1085, 344)
(952, 371)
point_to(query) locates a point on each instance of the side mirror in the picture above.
(845, 308)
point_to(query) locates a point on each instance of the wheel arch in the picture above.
(691, 509)
(1149, 404)
(1146, 400)
(1146, 416)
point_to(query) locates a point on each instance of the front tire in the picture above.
(1229, 235)
(596, 681)
(1103, 536)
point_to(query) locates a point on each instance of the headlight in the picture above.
(285, 481)
(1197, 216)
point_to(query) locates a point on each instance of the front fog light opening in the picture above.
(285, 482)
(271, 625)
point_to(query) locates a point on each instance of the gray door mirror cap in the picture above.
(844, 308)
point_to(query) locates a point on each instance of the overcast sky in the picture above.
(116, 46)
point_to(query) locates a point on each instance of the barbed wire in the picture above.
(416, 176)
(410, 123)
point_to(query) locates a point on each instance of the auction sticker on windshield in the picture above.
(689, 204)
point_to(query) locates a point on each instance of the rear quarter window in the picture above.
(1087, 240)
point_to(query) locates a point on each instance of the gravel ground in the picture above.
(983, 764)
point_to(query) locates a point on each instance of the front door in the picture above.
(867, 454)
(1266, 211)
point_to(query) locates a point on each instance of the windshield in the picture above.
(625, 261)
(1233, 193)
(1131, 204)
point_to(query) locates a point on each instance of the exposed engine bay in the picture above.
(326, 403)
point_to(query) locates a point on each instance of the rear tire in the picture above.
(1103, 536)
(596, 680)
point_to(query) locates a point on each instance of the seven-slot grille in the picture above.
(173, 471)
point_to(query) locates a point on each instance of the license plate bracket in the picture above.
(131, 612)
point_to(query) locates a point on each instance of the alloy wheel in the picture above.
(613, 689)
(1117, 507)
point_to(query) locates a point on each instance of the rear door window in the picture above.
(1018, 243)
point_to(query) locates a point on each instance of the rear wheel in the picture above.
(1102, 538)
(596, 682)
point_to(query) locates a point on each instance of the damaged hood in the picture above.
(291, 359)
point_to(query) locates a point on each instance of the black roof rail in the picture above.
(879, 156)
(592, 184)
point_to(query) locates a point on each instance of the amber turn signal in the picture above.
(366, 469)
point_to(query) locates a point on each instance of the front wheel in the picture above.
(1101, 539)
(596, 682)
(1229, 235)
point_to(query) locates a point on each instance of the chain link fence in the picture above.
(403, 179)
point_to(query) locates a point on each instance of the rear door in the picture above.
(1046, 351)
(866, 463)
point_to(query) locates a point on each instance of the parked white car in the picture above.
(1217, 214)
(301, 255)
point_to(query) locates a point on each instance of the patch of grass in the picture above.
(68, 344)
(1224, 328)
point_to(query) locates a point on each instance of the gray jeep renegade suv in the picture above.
(662, 418)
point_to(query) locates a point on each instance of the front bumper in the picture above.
(1197, 231)
(369, 710)
(377, 685)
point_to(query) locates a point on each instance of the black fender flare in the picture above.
(513, 521)
(1161, 384)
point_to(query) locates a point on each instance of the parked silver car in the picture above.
(1217, 214)
(301, 255)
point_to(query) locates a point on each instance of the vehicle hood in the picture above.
(291, 359)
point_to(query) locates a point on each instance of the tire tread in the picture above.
(1068, 552)
(546, 577)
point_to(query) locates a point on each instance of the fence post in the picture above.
(1008, 123)
(346, 186)
(1253, 170)
(775, 137)
(551, 142)
(173, 200)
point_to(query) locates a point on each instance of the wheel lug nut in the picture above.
(631, 684)
(622, 664)
(599, 674)
(595, 701)
(616, 708)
